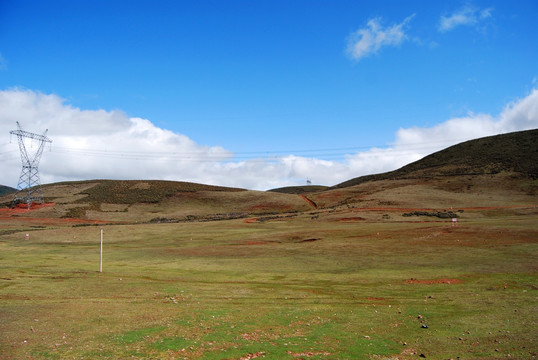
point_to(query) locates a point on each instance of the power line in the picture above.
(374, 150)
(231, 158)
(329, 154)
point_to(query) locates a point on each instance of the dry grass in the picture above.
(352, 278)
(289, 287)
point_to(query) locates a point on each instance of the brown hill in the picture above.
(494, 171)
(514, 152)
(157, 201)
(300, 189)
(6, 190)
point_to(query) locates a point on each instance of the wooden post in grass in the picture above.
(101, 261)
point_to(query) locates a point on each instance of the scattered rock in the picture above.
(424, 326)
(422, 355)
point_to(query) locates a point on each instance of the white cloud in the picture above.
(467, 15)
(109, 144)
(94, 144)
(414, 143)
(369, 40)
(518, 115)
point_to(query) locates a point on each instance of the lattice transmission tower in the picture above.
(29, 186)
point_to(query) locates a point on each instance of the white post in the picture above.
(101, 262)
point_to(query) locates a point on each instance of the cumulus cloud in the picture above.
(99, 144)
(374, 36)
(518, 115)
(467, 15)
(89, 144)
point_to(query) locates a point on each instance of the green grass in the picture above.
(347, 278)
(226, 289)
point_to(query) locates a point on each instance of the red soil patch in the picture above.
(433, 281)
(310, 202)
(251, 220)
(13, 216)
(22, 208)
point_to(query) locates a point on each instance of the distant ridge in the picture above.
(513, 152)
(139, 191)
(299, 189)
(6, 190)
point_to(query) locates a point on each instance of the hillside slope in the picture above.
(157, 201)
(6, 190)
(514, 152)
(493, 171)
(299, 189)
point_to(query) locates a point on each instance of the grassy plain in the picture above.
(326, 284)
(372, 268)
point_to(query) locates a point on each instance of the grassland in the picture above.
(364, 270)
(326, 284)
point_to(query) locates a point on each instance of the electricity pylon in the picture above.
(29, 186)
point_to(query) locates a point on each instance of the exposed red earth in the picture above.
(313, 204)
(21, 209)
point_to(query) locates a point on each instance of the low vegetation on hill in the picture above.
(514, 152)
(502, 165)
(6, 190)
(135, 191)
(300, 189)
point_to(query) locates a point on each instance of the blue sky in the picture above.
(283, 89)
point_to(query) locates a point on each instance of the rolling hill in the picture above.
(489, 171)
(513, 152)
(6, 190)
